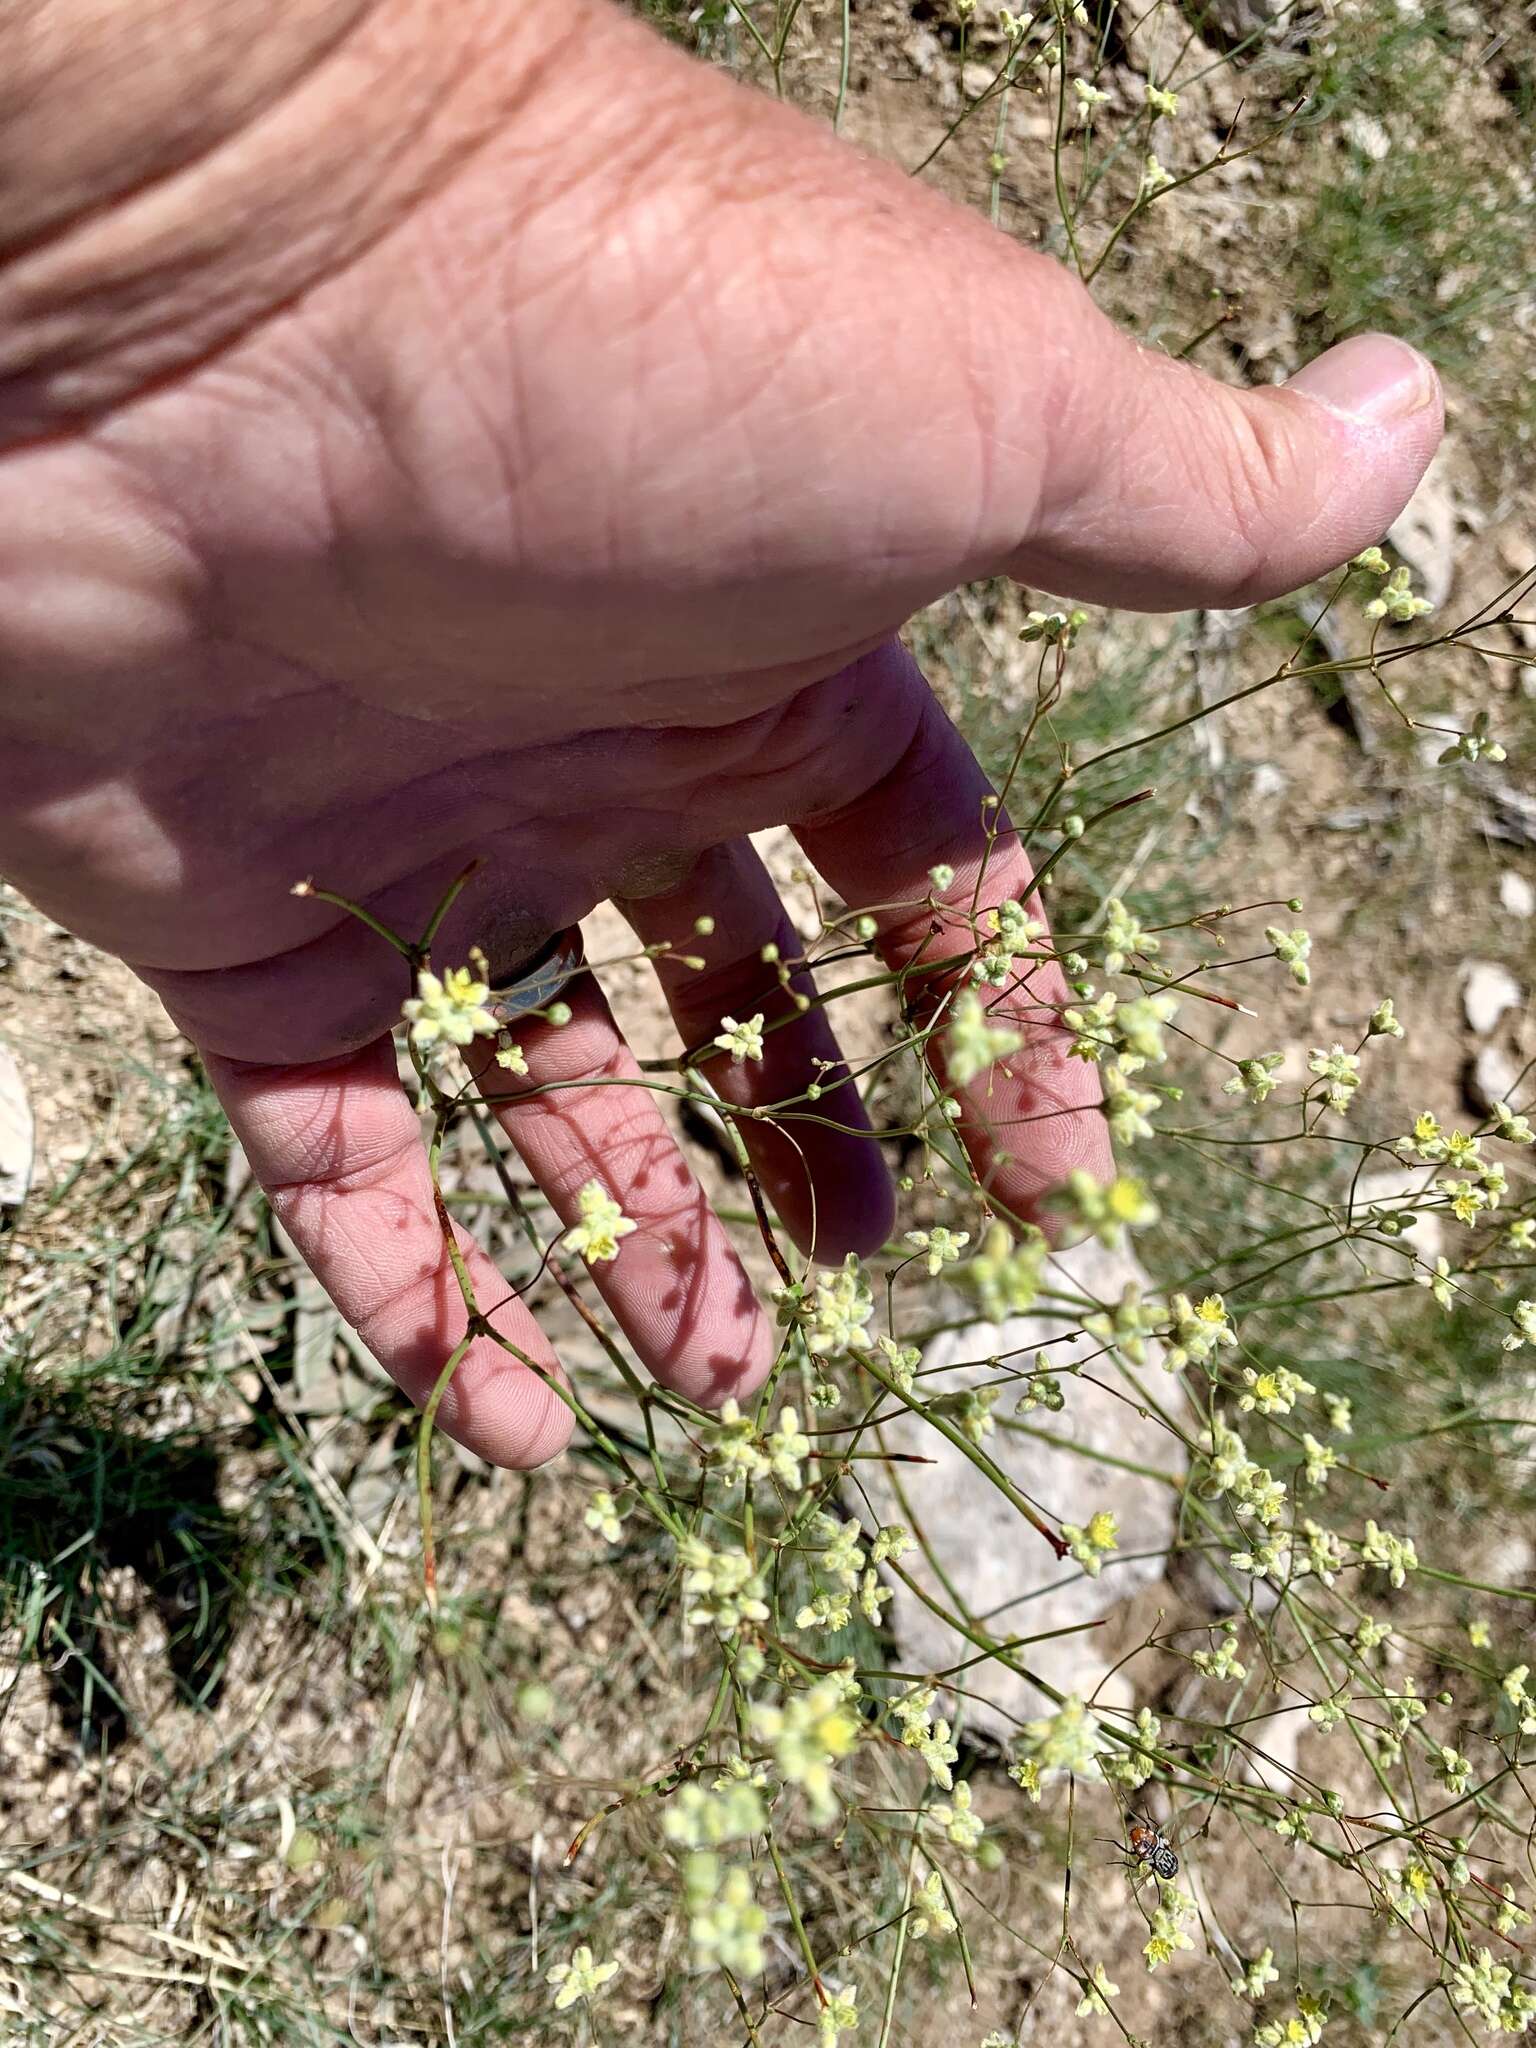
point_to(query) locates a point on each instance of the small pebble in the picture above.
(1489, 1077)
(16, 1133)
(1487, 991)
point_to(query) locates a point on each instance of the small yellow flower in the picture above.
(809, 1734)
(603, 1223)
(840, 2015)
(1111, 1207)
(972, 1043)
(959, 1819)
(726, 1924)
(581, 1977)
(940, 1247)
(930, 1906)
(1088, 97)
(605, 1515)
(742, 1041)
(450, 1011)
(1398, 603)
(1091, 1545)
(1257, 1976)
(1026, 1775)
(1095, 1992)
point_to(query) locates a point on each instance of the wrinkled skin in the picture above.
(567, 522)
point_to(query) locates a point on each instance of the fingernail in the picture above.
(1373, 378)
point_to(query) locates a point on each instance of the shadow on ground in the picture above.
(95, 1523)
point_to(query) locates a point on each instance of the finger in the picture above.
(819, 1165)
(338, 1150)
(1161, 487)
(1032, 1119)
(676, 1286)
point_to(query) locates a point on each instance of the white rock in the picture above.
(1274, 1740)
(371, 1496)
(1268, 781)
(1424, 533)
(1516, 894)
(237, 1172)
(1490, 1077)
(1517, 1405)
(17, 1133)
(1487, 991)
(1000, 1567)
(923, 51)
(1369, 136)
(1398, 1187)
(1246, 17)
(1508, 1560)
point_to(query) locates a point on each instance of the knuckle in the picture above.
(568, 1057)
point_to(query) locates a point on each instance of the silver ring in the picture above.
(539, 984)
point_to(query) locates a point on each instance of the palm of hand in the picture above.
(588, 588)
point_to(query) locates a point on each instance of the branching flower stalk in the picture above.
(789, 1527)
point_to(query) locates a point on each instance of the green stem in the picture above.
(424, 1467)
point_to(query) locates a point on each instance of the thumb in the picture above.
(1166, 489)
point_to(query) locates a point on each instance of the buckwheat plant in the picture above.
(832, 1839)
(1326, 1593)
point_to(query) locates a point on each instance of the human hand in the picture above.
(389, 480)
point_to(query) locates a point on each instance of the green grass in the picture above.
(116, 1417)
(1435, 239)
